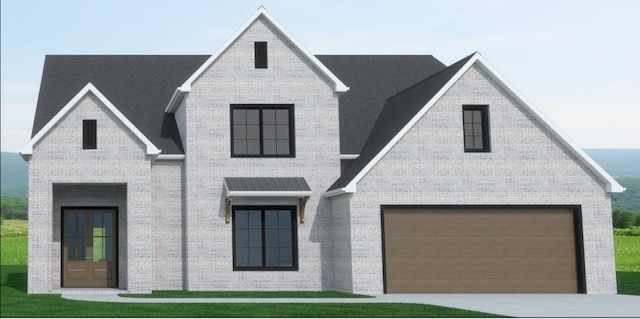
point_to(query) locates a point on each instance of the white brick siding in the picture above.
(58, 159)
(168, 227)
(289, 79)
(526, 166)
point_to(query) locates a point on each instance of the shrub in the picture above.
(631, 231)
(624, 219)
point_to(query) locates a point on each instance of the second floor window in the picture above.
(260, 51)
(89, 134)
(475, 120)
(262, 130)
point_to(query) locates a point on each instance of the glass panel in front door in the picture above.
(76, 236)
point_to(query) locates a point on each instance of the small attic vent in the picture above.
(261, 55)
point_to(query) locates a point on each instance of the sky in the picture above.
(576, 61)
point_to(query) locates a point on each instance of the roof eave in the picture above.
(268, 193)
(611, 185)
(340, 191)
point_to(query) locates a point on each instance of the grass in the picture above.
(627, 253)
(13, 228)
(17, 303)
(246, 294)
(628, 264)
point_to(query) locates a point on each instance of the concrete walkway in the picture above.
(515, 305)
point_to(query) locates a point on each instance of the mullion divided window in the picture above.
(263, 130)
(264, 238)
(475, 120)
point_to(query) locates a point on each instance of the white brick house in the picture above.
(264, 167)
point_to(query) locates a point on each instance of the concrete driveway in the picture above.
(514, 305)
(533, 305)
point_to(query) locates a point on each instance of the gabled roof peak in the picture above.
(418, 99)
(338, 86)
(27, 150)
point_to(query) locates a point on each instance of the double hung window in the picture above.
(262, 130)
(264, 238)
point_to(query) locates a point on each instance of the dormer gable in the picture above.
(261, 58)
(89, 89)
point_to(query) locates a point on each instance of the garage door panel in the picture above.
(481, 247)
(480, 250)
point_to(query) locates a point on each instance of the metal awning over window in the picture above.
(266, 187)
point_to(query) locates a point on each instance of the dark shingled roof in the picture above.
(397, 112)
(266, 184)
(372, 79)
(140, 86)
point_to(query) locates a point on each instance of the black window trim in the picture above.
(292, 142)
(261, 55)
(486, 139)
(294, 238)
(89, 134)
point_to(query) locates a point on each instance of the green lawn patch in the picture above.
(245, 294)
(14, 250)
(627, 249)
(628, 282)
(17, 303)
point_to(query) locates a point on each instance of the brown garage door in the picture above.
(481, 250)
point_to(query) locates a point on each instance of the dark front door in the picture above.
(89, 247)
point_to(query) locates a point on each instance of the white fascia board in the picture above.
(612, 186)
(348, 156)
(351, 187)
(176, 99)
(336, 192)
(268, 194)
(151, 150)
(170, 157)
(339, 87)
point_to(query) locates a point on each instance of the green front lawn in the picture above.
(16, 303)
(628, 264)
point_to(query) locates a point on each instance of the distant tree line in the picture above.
(625, 219)
(14, 207)
(630, 199)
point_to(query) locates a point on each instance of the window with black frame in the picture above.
(264, 238)
(262, 130)
(475, 120)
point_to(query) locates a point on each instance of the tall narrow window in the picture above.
(264, 238)
(89, 134)
(262, 130)
(261, 55)
(475, 120)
